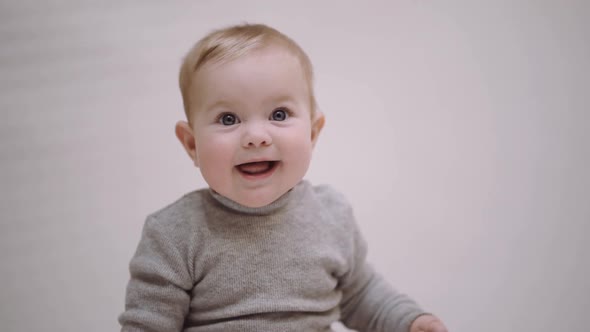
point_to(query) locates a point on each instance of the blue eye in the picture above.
(228, 119)
(280, 114)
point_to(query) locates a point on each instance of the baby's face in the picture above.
(252, 126)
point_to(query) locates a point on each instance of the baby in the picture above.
(260, 249)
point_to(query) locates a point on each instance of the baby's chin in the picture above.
(256, 202)
(255, 198)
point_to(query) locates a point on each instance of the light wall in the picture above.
(459, 130)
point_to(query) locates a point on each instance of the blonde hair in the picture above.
(230, 43)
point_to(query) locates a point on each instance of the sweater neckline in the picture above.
(286, 201)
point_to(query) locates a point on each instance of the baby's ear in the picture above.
(186, 137)
(317, 123)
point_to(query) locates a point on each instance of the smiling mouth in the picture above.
(257, 168)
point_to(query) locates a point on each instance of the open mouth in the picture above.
(257, 168)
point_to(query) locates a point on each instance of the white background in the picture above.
(459, 130)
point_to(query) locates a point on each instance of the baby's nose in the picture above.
(256, 135)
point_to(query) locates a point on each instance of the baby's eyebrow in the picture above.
(217, 104)
(281, 99)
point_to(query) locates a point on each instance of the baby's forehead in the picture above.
(266, 70)
(272, 65)
(265, 51)
(211, 62)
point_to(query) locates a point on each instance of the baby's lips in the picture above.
(256, 167)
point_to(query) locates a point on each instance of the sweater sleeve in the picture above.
(158, 293)
(369, 303)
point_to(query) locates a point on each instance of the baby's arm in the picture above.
(369, 303)
(158, 294)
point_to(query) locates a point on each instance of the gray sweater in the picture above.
(206, 263)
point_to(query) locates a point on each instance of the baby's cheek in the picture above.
(301, 156)
(215, 164)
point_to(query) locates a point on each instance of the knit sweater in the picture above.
(206, 263)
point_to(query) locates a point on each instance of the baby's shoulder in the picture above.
(336, 215)
(334, 207)
(329, 197)
(182, 213)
